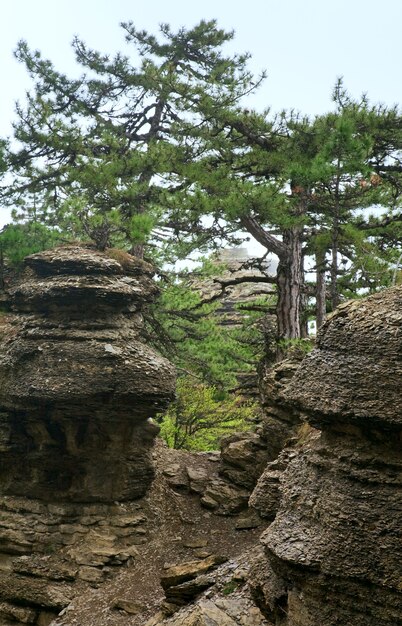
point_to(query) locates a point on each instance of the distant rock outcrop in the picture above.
(238, 283)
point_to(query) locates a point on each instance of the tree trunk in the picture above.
(289, 286)
(137, 249)
(303, 303)
(334, 276)
(2, 281)
(335, 300)
(289, 278)
(320, 296)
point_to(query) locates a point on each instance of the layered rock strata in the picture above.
(243, 458)
(333, 552)
(78, 386)
(77, 383)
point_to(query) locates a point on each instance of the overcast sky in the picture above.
(303, 44)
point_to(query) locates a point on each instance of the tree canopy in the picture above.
(160, 154)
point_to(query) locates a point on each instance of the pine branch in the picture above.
(263, 237)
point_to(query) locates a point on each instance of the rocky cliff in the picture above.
(333, 553)
(78, 386)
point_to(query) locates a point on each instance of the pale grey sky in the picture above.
(303, 44)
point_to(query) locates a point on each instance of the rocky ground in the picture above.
(179, 530)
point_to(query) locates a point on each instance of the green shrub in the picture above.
(201, 415)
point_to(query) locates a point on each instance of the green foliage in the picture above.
(192, 332)
(209, 356)
(230, 587)
(291, 348)
(200, 416)
(154, 152)
(19, 240)
(102, 155)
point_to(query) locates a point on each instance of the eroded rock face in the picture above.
(333, 552)
(77, 382)
(354, 374)
(243, 458)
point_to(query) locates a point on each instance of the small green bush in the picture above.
(202, 414)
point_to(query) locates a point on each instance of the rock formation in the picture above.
(242, 460)
(333, 553)
(78, 385)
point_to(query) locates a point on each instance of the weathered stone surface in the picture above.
(224, 598)
(77, 382)
(185, 592)
(42, 567)
(266, 495)
(198, 478)
(178, 574)
(36, 593)
(129, 606)
(78, 386)
(244, 456)
(251, 520)
(334, 549)
(280, 419)
(220, 612)
(225, 498)
(354, 373)
(17, 614)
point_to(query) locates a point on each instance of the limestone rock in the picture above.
(251, 520)
(266, 495)
(225, 598)
(242, 460)
(184, 593)
(244, 457)
(78, 388)
(334, 549)
(198, 478)
(77, 382)
(128, 606)
(354, 373)
(17, 614)
(178, 574)
(220, 612)
(225, 498)
(280, 419)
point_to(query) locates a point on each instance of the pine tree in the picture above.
(98, 155)
(303, 187)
